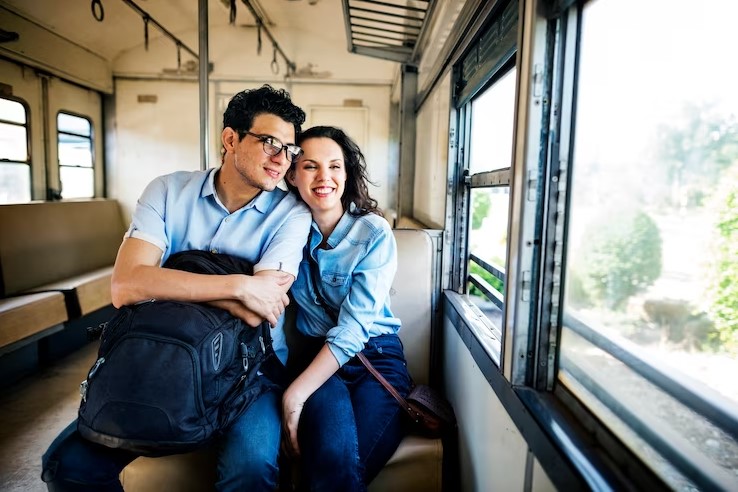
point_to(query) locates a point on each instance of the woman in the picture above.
(336, 415)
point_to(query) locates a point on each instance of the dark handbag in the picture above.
(430, 413)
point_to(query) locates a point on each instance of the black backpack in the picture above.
(172, 375)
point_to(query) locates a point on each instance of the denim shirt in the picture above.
(181, 211)
(356, 273)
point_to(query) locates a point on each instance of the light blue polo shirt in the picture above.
(181, 211)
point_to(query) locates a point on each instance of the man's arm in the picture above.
(238, 309)
(137, 276)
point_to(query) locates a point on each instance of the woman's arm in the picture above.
(323, 366)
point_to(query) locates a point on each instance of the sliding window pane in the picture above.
(492, 126)
(75, 156)
(74, 151)
(15, 183)
(13, 143)
(77, 182)
(15, 168)
(651, 296)
(488, 246)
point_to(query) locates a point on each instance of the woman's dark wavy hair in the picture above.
(248, 104)
(356, 190)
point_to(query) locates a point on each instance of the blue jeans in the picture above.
(247, 454)
(350, 427)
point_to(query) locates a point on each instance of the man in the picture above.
(237, 210)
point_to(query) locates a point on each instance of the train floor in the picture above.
(32, 412)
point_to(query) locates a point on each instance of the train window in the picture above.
(75, 156)
(649, 335)
(490, 155)
(15, 163)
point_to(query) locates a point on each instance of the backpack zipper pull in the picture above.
(83, 390)
(245, 357)
(94, 369)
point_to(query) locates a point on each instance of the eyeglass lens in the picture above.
(272, 146)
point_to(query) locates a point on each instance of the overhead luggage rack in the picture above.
(387, 29)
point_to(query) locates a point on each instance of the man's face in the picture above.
(258, 169)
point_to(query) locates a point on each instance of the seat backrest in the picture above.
(45, 242)
(411, 296)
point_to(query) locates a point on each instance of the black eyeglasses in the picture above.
(272, 146)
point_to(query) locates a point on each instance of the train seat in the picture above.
(24, 318)
(67, 247)
(417, 463)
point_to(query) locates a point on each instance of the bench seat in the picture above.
(83, 293)
(56, 263)
(23, 317)
(415, 467)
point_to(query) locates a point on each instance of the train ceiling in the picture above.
(387, 29)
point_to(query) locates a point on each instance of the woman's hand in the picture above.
(323, 366)
(291, 411)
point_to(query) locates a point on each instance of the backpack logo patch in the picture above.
(217, 350)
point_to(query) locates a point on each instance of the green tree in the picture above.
(495, 282)
(725, 302)
(621, 257)
(695, 150)
(480, 208)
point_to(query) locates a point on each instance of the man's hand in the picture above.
(265, 294)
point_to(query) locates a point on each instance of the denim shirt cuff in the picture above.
(339, 354)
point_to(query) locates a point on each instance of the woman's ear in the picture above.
(290, 176)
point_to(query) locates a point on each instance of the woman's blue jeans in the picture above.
(247, 457)
(350, 427)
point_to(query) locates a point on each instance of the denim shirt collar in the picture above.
(261, 202)
(339, 232)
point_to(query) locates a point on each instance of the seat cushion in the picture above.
(85, 293)
(415, 466)
(24, 316)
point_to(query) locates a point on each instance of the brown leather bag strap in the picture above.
(387, 385)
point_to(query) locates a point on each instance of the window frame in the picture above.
(472, 76)
(564, 54)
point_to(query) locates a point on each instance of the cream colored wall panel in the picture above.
(44, 49)
(151, 138)
(492, 452)
(431, 156)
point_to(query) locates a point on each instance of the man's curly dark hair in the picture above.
(248, 104)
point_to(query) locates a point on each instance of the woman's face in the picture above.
(320, 176)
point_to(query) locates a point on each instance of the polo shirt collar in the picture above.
(261, 202)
